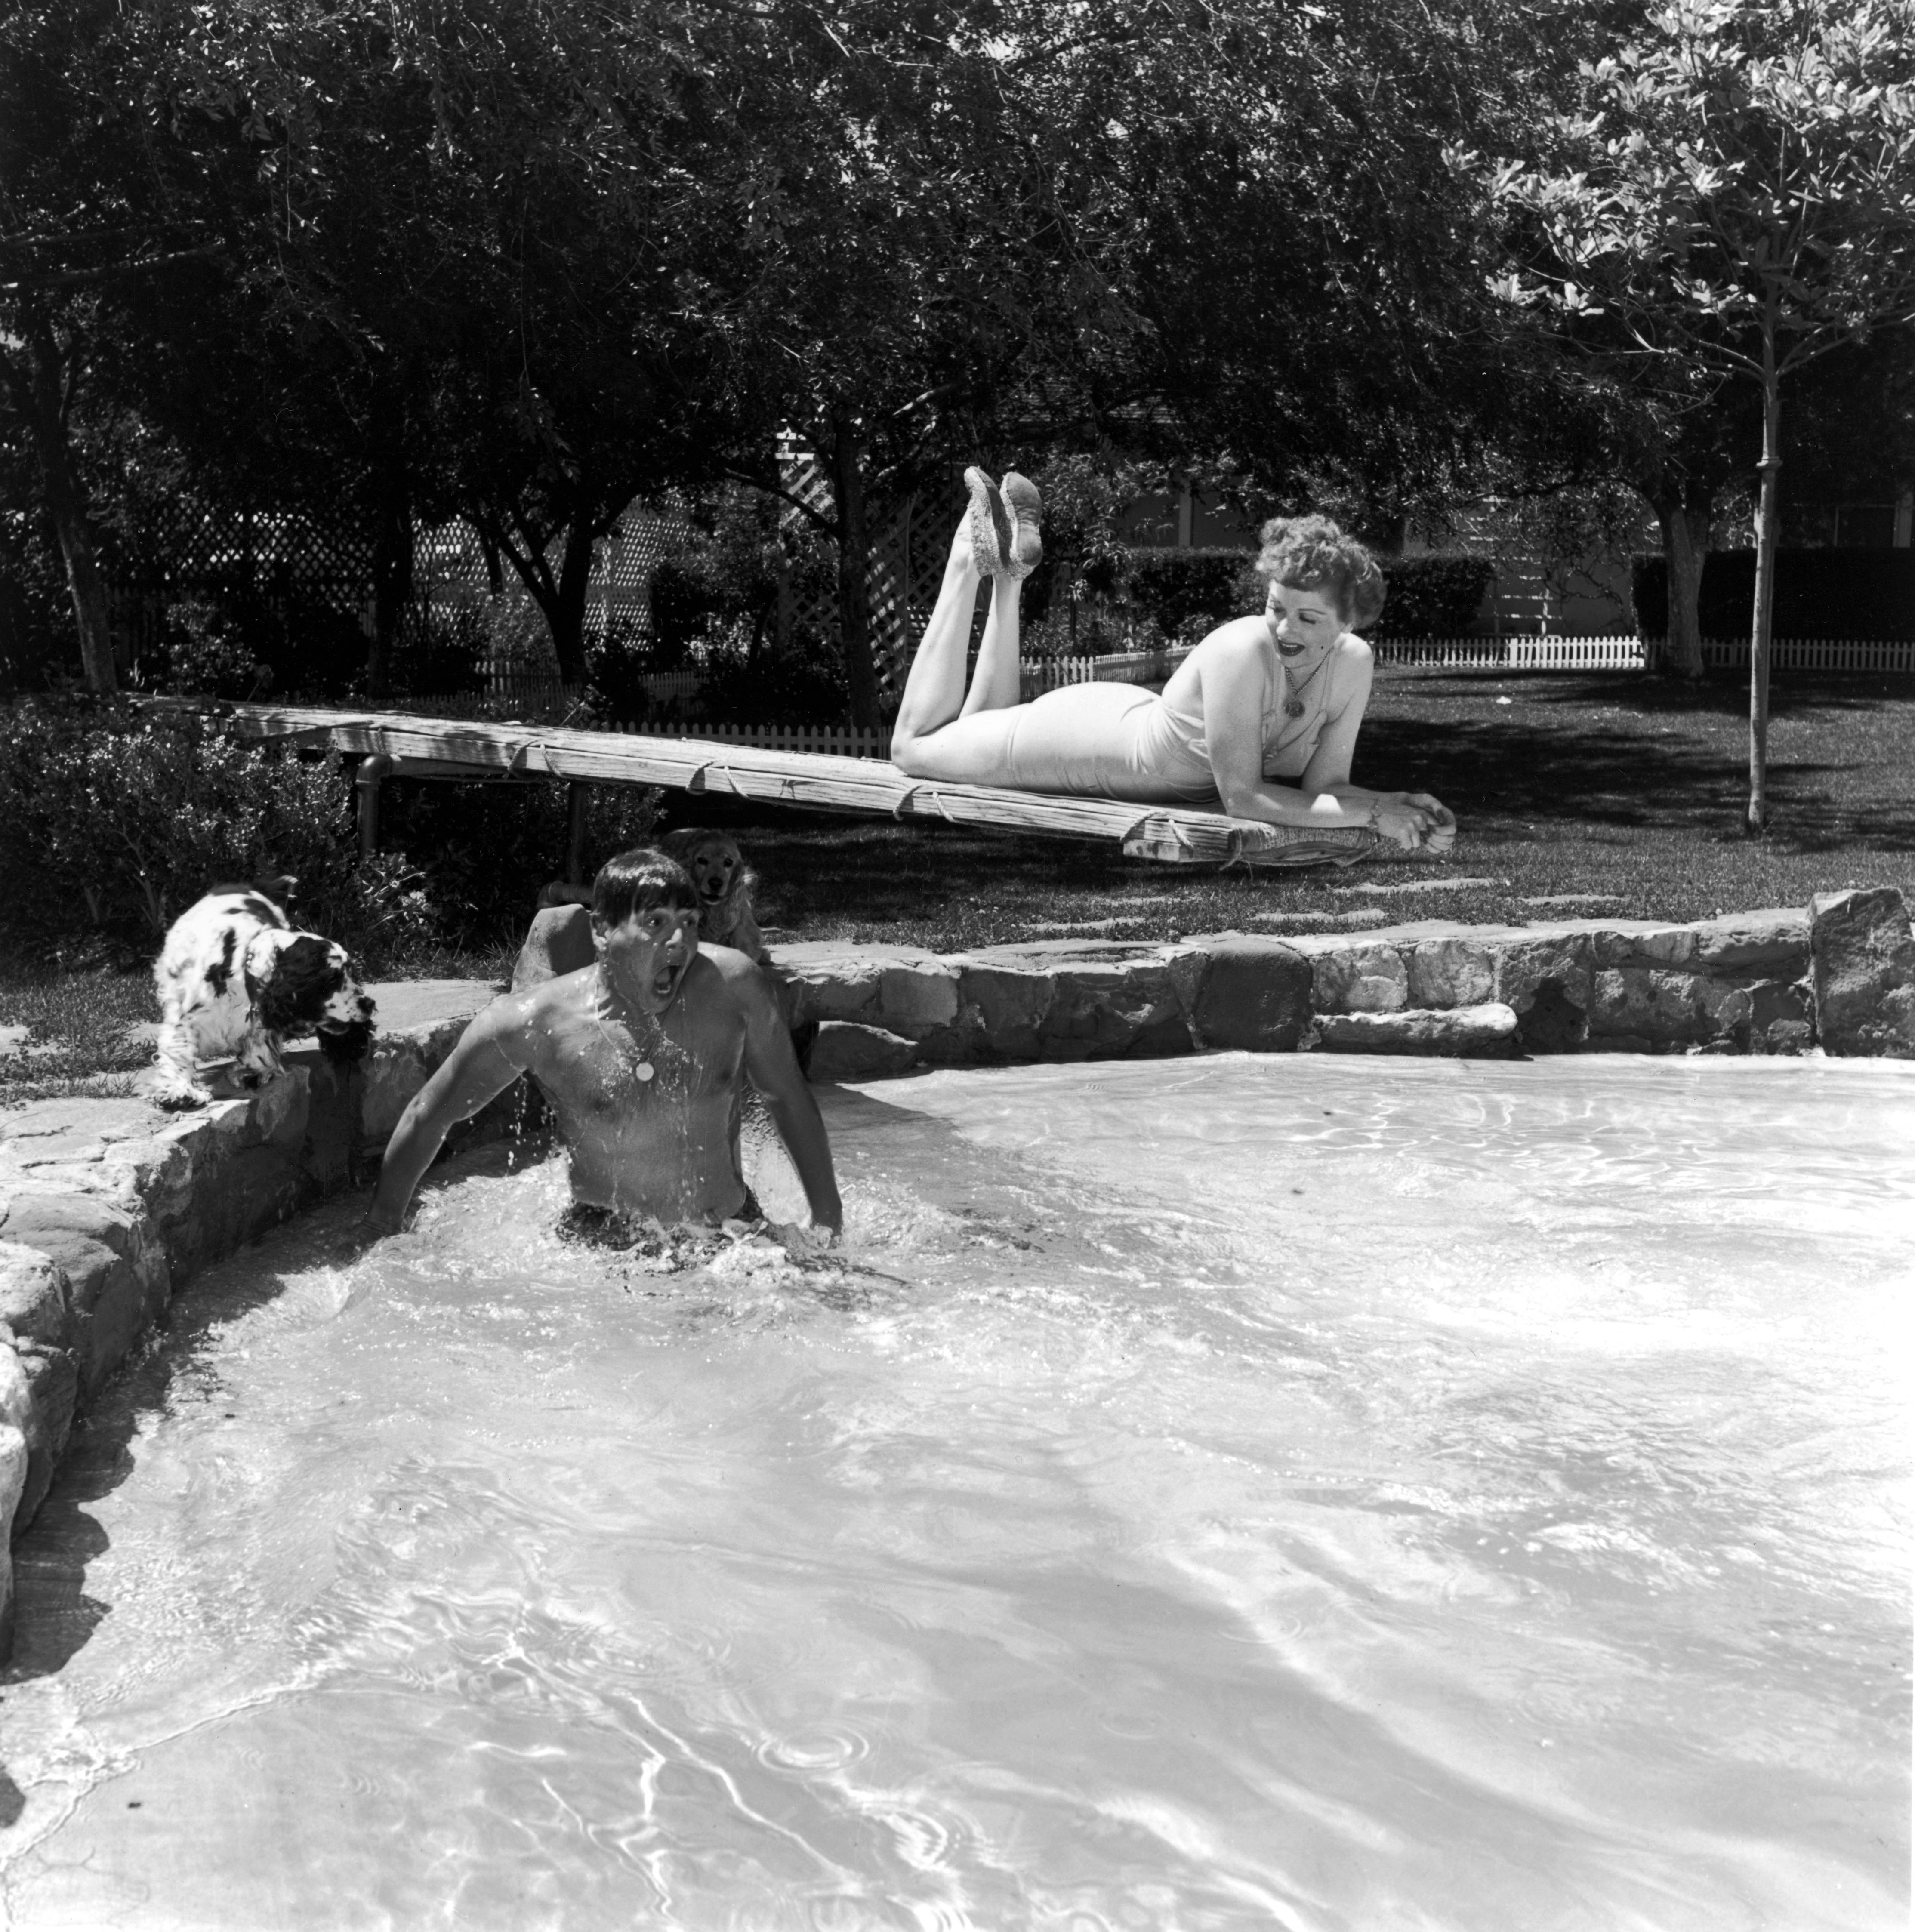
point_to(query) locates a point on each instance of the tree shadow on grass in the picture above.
(1534, 769)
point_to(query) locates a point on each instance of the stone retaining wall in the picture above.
(107, 1206)
(1839, 975)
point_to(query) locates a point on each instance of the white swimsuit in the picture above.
(1119, 741)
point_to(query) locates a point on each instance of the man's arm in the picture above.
(489, 1057)
(775, 1072)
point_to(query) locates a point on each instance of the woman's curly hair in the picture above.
(1314, 554)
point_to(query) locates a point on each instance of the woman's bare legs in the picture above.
(934, 736)
(995, 684)
(934, 689)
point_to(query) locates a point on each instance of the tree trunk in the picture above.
(853, 562)
(561, 599)
(1681, 638)
(568, 619)
(1767, 533)
(39, 391)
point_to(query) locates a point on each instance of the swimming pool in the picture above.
(1283, 1491)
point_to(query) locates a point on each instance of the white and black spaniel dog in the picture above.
(235, 981)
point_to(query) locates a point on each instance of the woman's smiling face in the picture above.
(1306, 622)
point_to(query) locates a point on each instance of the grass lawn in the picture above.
(1615, 794)
(1578, 793)
(70, 1029)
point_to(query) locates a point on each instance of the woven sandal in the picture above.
(991, 531)
(1026, 550)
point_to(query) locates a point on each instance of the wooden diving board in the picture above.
(454, 747)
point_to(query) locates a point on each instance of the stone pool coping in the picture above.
(107, 1207)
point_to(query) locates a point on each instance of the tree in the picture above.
(483, 254)
(1737, 191)
(92, 209)
(908, 266)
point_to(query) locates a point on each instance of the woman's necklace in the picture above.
(1293, 705)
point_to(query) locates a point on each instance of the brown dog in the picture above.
(725, 884)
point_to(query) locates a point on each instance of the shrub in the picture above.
(440, 653)
(203, 655)
(1432, 596)
(794, 686)
(120, 818)
(683, 599)
(479, 854)
(1819, 593)
(1202, 588)
(616, 668)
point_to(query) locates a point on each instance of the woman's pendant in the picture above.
(1294, 708)
(644, 1070)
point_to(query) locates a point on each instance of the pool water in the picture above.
(1292, 1492)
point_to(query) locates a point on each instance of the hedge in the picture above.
(1176, 587)
(1819, 593)
(1435, 596)
(117, 818)
(1429, 596)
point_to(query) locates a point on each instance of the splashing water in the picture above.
(1285, 1491)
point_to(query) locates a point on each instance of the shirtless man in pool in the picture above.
(643, 1056)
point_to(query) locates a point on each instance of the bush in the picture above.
(1201, 588)
(1184, 593)
(774, 687)
(1432, 596)
(1819, 593)
(479, 854)
(203, 655)
(616, 668)
(120, 818)
(683, 600)
(440, 653)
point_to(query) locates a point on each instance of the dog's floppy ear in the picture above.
(291, 975)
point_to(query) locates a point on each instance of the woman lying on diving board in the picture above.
(1263, 714)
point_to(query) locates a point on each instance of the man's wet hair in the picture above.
(638, 881)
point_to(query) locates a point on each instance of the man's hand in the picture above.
(811, 1239)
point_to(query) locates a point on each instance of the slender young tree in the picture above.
(1737, 192)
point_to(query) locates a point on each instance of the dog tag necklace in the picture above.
(642, 1068)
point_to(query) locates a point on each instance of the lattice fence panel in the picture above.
(906, 568)
(517, 658)
(283, 559)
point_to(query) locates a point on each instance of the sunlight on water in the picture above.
(1241, 1492)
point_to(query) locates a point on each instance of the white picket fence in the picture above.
(1631, 653)
(1538, 653)
(1818, 653)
